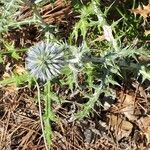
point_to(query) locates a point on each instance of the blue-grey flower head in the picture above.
(45, 60)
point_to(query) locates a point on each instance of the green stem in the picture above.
(47, 114)
(40, 114)
(34, 8)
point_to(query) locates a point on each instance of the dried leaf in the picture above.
(11, 88)
(6, 75)
(98, 39)
(19, 70)
(122, 127)
(127, 107)
(147, 133)
(144, 11)
(144, 125)
(147, 32)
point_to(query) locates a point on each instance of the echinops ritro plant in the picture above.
(45, 60)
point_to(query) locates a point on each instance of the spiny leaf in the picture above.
(17, 79)
(144, 11)
(145, 72)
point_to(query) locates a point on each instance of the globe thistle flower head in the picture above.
(45, 60)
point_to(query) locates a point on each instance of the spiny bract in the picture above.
(45, 60)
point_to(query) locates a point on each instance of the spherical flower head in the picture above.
(45, 60)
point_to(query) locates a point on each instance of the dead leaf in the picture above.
(144, 59)
(127, 107)
(19, 69)
(98, 39)
(6, 75)
(144, 125)
(147, 32)
(144, 11)
(147, 133)
(11, 88)
(122, 127)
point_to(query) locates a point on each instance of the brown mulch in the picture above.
(124, 125)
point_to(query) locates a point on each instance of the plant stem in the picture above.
(40, 114)
(48, 113)
(35, 10)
